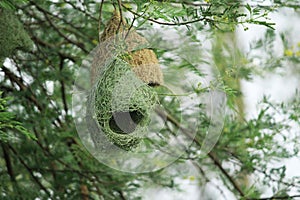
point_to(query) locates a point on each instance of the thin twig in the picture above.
(8, 163)
(234, 3)
(41, 9)
(17, 80)
(30, 171)
(131, 26)
(32, 98)
(100, 19)
(63, 90)
(80, 45)
(80, 10)
(261, 171)
(211, 155)
(207, 179)
(121, 15)
(121, 195)
(274, 197)
(168, 23)
(57, 29)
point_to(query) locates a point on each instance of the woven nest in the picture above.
(123, 71)
(12, 35)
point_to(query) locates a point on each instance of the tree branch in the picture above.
(275, 197)
(167, 23)
(230, 4)
(8, 163)
(46, 15)
(207, 179)
(80, 45)
(63, 90)
(14, 79)
(41, 9)
(100, 20)
(30, 171)
(211, 155)
(19, 81)
(80, 10)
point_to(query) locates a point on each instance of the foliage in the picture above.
(8, 123)
(10, 5)
(52, 163)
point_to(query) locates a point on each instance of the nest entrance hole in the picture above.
(125, 122)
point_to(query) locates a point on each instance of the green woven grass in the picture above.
(12, 35)
(123, 104)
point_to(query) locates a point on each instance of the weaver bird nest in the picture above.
(123, 74)
(12, 35)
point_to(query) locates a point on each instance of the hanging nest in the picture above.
(123, 73)
(12, 35)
